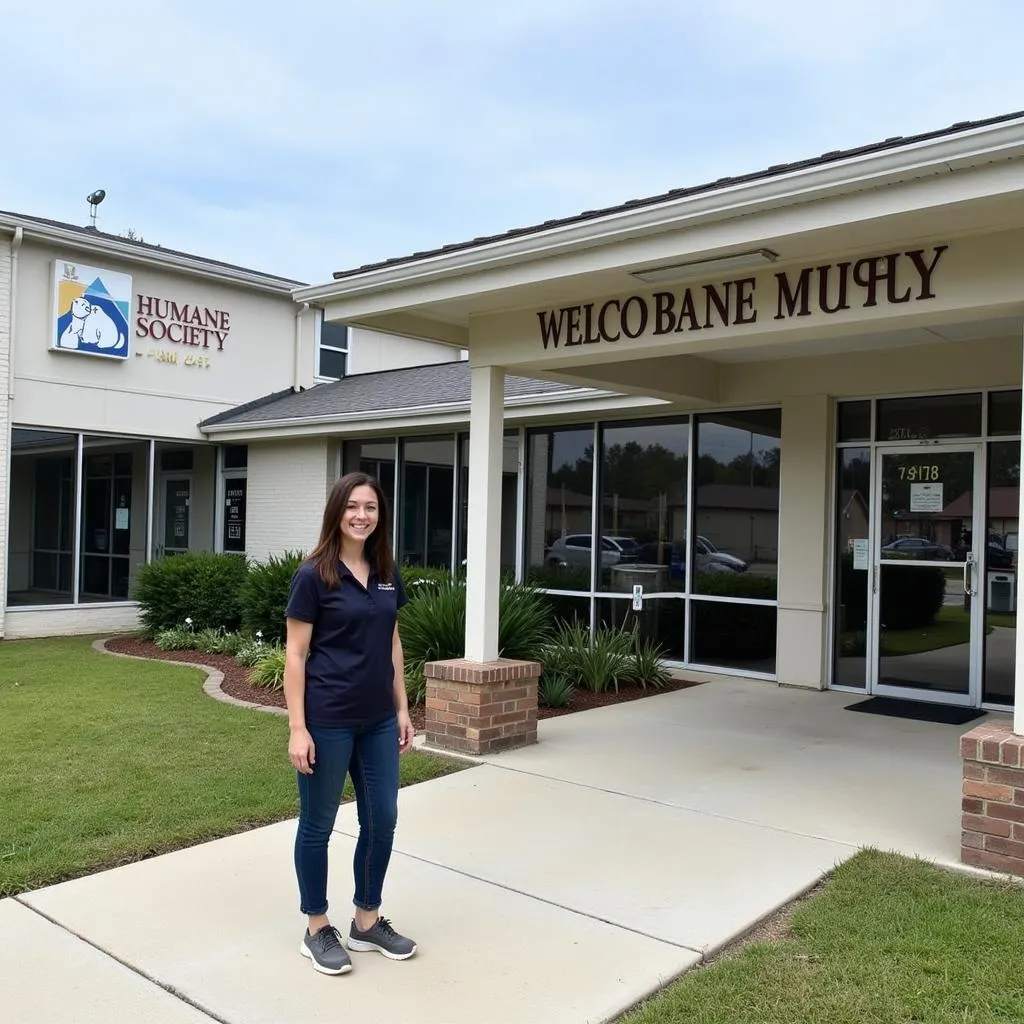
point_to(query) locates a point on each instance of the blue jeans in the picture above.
(370, 755)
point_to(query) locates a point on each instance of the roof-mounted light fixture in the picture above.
(699, 268)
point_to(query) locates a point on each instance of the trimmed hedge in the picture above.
(912, 595)
(201, 586)
(264, 595)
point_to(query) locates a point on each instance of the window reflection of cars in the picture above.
(716, 557)
(575, 549)
(918, 547)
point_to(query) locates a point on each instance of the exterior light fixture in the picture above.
(697, 268)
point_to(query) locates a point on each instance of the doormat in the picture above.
(919, 710)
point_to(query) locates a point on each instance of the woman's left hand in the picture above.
(405, 732)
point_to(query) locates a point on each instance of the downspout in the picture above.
(297, 370)
(19, 235)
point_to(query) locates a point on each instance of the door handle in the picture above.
(968, 565)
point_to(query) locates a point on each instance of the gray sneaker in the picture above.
(324, 948)
(381, 938)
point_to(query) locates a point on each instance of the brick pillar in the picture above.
(993, 798)
(481, 707)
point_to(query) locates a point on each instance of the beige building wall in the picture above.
(288, 486)
(373, 351)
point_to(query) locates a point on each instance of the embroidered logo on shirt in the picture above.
(385, 586)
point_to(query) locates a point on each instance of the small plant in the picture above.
(177, 638)
(605, 660)
(250, 651)
(646, 668)
(264, 595)
(415, 686)
(218, 641)
(268, 671)
(555, 688)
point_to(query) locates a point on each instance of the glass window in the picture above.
(509, 499)
(331, 349)
(1000, 580)
(236, 456)
(661, 619)
(1004, 413)
(176, 460)
(853, 421)
(559, 507)
(234, 513)
(735, 636)
(41, 537)
(930, 418)
(427, 493)
(852, 566)
(643, 506)
(736, 519)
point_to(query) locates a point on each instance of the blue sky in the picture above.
(305, 137)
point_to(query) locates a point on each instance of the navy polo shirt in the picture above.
(349, 672)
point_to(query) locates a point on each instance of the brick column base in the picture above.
(481, 707)
(993, 798)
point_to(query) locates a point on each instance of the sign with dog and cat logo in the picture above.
(91, 311)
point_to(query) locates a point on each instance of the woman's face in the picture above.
(361, 513)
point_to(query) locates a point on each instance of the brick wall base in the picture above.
(481, 707)
(993, 798)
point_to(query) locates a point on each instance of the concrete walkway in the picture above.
(562, 882)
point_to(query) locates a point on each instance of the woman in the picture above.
(344, 684)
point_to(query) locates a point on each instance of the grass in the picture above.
(105, 761)
(951, 627)
(889, 941)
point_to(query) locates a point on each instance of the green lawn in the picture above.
(951, 627)
(889, 941)
(105, 760)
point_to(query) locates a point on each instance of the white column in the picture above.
(483, 538)
(1018, 671)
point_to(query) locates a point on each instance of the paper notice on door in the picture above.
(926, 498)
(121, 519)
(860, 554)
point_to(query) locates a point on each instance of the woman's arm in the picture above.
(405, 729)
(301, 751)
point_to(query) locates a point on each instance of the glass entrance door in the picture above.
(927, 618)
(175, 513)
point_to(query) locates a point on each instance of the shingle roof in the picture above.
(776, 170)
(88, 232)
(412, 388)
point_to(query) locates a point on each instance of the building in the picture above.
(774, 419)
(112, 351)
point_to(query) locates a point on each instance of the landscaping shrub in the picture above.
(268, 672)
(264, 595)
(177, 638)
(218, 641)
(646, 668)
(415, 685)
(201, 586)
(433, 626)
(595, 663)
(250, 651)
(554, 689)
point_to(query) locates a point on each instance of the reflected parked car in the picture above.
(919, 548)
(575, 549)
(716, 557)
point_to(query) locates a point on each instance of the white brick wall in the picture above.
(5, 425)
(288, 485)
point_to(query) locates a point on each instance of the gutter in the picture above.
(930, 158)
(12, 326)
(297, 365)
(165, 259)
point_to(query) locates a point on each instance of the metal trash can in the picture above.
(654, 579)
(1002, 592)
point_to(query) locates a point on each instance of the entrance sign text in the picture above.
(181, 323)
(890, 279)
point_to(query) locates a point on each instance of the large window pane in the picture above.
(509, 499)
(853, 500)
(735, 636)
(934, 417)
(736, 519)
(114, 486)
(428, 481)
(853, 421)
(1004, 413)
(40, 552)
(643, 506)
(660, 619)
(559, 507)
(1001, 561)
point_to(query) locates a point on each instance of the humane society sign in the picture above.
(91, 311)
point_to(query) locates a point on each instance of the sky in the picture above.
(308, 137)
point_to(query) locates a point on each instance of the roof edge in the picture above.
(962, 145)
(124, 248)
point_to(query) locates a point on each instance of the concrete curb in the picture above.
(214, 677)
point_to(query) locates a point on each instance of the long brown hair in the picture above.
(326, 556)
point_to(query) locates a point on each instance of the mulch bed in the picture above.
(236, 682)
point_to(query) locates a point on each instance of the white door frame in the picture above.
(972, 570)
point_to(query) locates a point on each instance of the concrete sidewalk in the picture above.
(562, 882)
